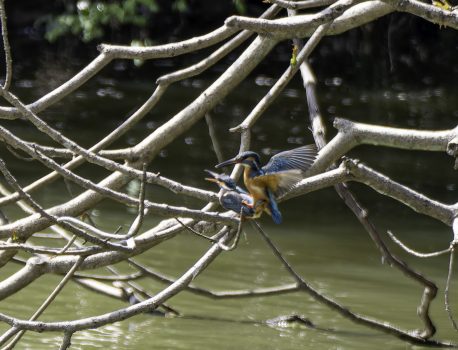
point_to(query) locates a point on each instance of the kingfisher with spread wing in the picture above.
(265, 184)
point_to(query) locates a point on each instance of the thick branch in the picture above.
(351, 170)
(168, 50)
(298, 5)
(217, 55)
(351, 134)
(303, 26)
(427, 11)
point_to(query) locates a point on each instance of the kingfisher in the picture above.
(265, 184)
(233, 197)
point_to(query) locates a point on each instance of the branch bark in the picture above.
(339, 16)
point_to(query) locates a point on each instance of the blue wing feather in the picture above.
(289, 166)
(300, 158)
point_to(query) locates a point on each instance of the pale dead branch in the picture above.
(218, 228)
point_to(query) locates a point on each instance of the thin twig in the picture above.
(215, 56)
(18, 156)
(266, 291)
(48, 300)
(68, 245)
(138, 221)
(447, 289)
(6, 47)
(346, 312)
(215, 241)
(430, 289)
(299, 5)
(214, 138)
(278, 254)
(137, 289)
(414, 252)
(282, 82)
(117, 277)
(235, 241)
(66, 341)
(197, 233)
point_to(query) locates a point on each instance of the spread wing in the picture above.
(280, 182)
(287, 168)
(300, 158)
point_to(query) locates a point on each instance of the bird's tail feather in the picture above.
(273, 208)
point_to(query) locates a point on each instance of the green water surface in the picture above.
(319, 237)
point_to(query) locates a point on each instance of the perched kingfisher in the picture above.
(232, 197)
(278, 176)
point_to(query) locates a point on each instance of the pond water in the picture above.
(319, 237)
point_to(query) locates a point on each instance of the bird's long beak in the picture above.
(227, 162)
(213, 178)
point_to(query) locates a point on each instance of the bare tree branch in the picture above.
(428, 12)
(299, 5)
(414, 252)
(353, 170)
(430, 289)
(46, 303)
(6, 48)
(281, 83)
(111, 247)
(352, 134)
(302, 26)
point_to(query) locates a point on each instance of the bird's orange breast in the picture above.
(257, 185)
